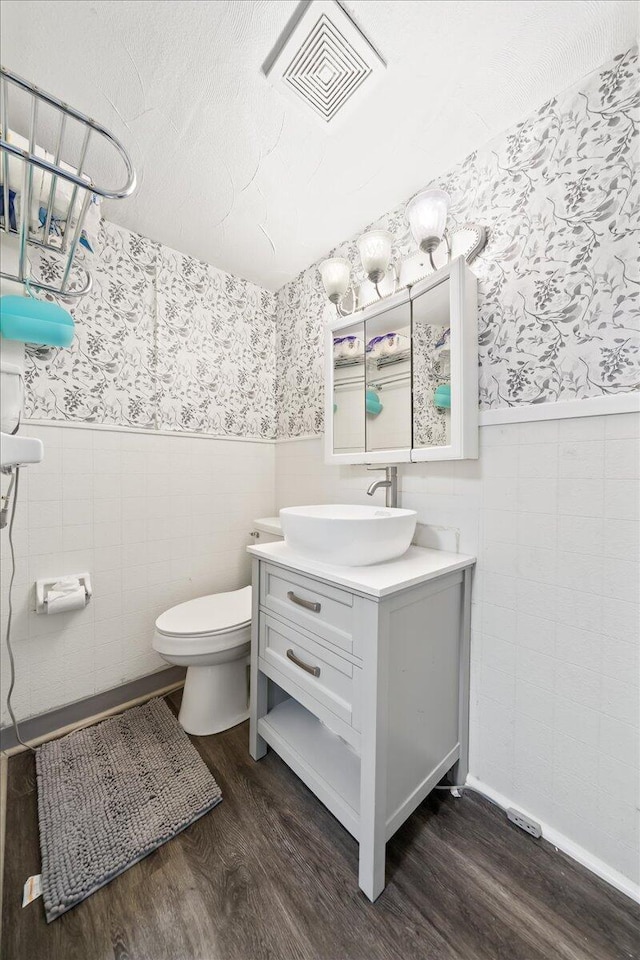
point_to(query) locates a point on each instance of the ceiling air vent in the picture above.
(325, 62)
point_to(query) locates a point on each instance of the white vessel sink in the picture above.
(348, 535)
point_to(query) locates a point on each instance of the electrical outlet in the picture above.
(525, 823)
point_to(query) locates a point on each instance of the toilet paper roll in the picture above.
(68, 598)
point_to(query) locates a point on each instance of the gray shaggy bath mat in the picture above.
(110, 794)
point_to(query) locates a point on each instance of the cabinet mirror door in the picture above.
(349, 390)
(432, 367)
(388, 380)
(445, 365)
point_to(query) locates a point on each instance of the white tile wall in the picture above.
(156, 520)
(551, 509)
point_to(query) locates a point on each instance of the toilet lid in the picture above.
(216, 613)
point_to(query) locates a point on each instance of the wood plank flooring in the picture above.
(270, 875)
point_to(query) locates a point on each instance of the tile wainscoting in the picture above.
(156, 519)
(551, 510)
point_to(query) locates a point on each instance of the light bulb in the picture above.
(375, 253)
(336, 274)
(427, 216)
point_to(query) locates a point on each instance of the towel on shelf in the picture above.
(13, 219)
(40, 191)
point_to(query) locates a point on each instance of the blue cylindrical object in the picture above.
(442, 396)
(372, 403)
(35, 321)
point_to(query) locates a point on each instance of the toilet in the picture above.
(211, 637)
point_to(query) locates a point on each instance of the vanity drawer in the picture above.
(323, 609)
(327, 677)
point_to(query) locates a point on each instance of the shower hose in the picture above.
(10, 615)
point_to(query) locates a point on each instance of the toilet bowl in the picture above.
(211, 637)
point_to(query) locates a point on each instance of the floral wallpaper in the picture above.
(215, 350)
(300, 315)
(559, 280)
(430, 423)
(162, 341)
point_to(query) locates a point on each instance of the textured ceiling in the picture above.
(231, 172)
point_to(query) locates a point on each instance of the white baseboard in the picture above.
(303, 436)
(563, 409)
(148, 431)
(88, 719)
(559, 840)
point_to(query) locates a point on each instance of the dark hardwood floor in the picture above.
(270, 875)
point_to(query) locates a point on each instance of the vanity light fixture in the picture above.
(426, 214)
(336, 277)
(374, 247)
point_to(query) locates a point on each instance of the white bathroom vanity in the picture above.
(360, 682)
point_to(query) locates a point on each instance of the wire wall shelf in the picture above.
(392, 359)
(44, 200)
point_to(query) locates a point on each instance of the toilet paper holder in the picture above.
(45, 586)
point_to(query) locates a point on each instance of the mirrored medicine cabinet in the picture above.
(402, 375)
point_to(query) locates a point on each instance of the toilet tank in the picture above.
(266, 530)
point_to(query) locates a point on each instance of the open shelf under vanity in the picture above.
(328, 765)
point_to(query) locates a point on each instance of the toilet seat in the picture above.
(206, 616)
(208, 624)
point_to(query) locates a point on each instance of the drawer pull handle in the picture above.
(314, 671)
(307, 604)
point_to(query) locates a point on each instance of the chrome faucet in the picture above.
(390, 483)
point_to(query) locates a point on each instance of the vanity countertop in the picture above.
(417, 565)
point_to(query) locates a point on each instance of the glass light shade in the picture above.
(336, 275)
(375, 253)
(427, 216)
